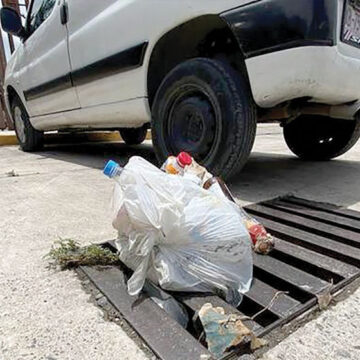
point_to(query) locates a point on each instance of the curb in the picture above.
(10, 139)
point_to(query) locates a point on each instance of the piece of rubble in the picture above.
(224, 331)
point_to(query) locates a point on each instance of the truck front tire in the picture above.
(320, 137)
(29, 138)
(205, 107)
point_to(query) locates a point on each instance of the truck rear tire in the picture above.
(29, 138)
(133, 136)
(205, 107)
(320, 137)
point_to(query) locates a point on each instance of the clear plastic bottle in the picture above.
(113, 170)
(176, 165)
(219, 188)
(262, 241)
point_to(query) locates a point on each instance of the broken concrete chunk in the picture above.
(225, 331)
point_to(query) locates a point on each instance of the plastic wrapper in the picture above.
(179, 235)
(172, 307)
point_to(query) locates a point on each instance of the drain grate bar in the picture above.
(318, 262)
(315, 227)
(292, 275)
(164, 335)
(314, 242)
(328, 218)
(324, 208)
(262, 294)
(316, 245)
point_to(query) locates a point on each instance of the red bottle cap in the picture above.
(184, 159)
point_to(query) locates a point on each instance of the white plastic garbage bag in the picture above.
(179, 235)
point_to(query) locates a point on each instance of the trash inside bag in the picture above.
(177, 234)
(167, 303)
(184, 165)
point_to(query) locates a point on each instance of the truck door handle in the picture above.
(64, 13)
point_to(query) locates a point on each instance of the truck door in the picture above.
(47, 82)
(107, 42)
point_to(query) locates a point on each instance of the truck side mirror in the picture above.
(11, 22)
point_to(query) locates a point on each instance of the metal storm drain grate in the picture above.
(317, 245)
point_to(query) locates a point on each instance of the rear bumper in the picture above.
(320, 73)
(292, 49)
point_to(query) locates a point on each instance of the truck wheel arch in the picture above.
(205, 36)
(11, 94)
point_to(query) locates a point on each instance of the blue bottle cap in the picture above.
(110, 168)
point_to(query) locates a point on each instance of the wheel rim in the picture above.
(192, 123)
(19, 124)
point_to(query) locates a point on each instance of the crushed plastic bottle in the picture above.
(262, 241)
(185, 166)
(219, 188)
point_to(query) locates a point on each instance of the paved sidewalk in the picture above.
(46, 314)
(334, 335)
(61, 193)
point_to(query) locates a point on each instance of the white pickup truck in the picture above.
(201, 73)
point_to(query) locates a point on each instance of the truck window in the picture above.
(40, 10)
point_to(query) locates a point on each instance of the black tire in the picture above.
(29, 138)
(321, 137)
(205, 107)
(134, 136)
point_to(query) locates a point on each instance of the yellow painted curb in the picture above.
(10, 139)
(103, 136)
(109, 136)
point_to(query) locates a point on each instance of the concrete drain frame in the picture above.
(317, 250)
